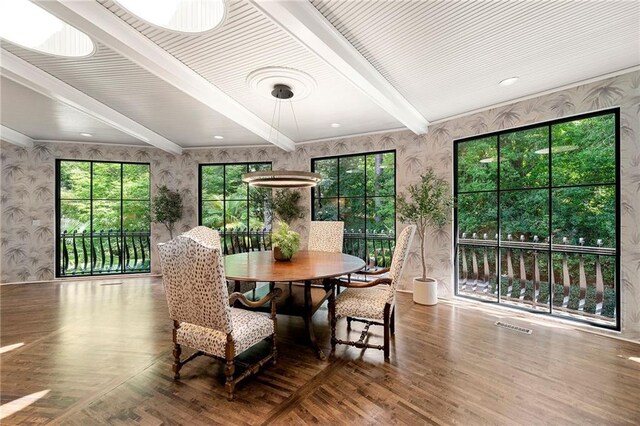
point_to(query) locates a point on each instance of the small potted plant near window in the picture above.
(167, 208)
(285, 242)
(428, 205)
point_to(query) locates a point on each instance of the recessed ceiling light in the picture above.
(189, 16)
(28, 25)
(509, 81)
(87, 135)
(218, 137)
(335, 125)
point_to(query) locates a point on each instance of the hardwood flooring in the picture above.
(103, 350)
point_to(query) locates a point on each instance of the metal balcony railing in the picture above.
(376, 249)
(104, 252)
(241, 240)
(582, 277)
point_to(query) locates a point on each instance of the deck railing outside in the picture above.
(104, 252)
(582, 277)
(241, 240)
(376, 249)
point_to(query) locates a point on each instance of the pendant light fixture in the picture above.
(281, 178)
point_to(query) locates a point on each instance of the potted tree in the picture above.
(167, 208)
(428, 204)
(282, 204)
(286, 205)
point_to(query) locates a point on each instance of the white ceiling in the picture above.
(247, 41)
(447, 57)
(42, 118)
(126, 87)
(443, 58)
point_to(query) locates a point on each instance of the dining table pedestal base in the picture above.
(297, 299)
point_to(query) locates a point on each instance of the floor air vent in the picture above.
(513, 327)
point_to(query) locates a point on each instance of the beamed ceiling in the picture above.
(377, 66)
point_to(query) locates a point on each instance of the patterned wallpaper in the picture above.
(28, 181)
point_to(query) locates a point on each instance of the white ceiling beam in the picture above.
(16, 138)
(307, 25)
(34, 78)
(105, 27)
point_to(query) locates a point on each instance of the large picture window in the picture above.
(537, 219)
(103, 221)
(226, 203)
(359, 190)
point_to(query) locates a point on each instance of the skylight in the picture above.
(27, 25)
(190, 16)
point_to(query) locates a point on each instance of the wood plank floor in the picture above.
(103, 350)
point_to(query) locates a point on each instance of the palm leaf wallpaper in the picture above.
(27, 249)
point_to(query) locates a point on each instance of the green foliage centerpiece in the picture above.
(285, 242)
(167, 208)
(429, 205)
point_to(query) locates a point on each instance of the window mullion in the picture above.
(550, 283)
(499, 225)
(122, 270)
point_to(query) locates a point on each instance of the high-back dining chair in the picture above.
(210, 236)
(200, 306)
(326, 236)
(371, 302)
(204, 235)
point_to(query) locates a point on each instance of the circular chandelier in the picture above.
(282, 179)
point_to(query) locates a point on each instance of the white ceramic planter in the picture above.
(425, 292)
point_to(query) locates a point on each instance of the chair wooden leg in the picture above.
(274, 351)
(274, 318)
(387, 327)
(349, 323)
(229, 385)
(229, 369)
(332, 320)
(177, 350)
(393, 321)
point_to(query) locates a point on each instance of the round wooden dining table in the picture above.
(305, 267)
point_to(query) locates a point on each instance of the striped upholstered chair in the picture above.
(200, 306)
(372, 302)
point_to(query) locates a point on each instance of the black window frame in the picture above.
(338, 197)
(224, 189)
(549, 187)
(58, 215)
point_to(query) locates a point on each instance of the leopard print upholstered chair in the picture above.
(204, 235)
(200, 306)
(210, 236)
(371, 302)
(326, 236)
